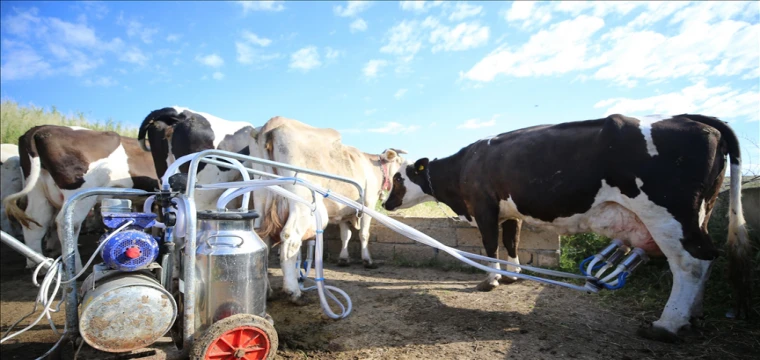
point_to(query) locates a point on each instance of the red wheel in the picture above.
(241, 336)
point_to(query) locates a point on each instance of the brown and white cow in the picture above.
(651, 182)
(173, 132)
(292, 142)
(59, 161)
(11, 182)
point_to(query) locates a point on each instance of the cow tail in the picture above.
(739, 246)
(270, 223)
(11, 201)
(143, 131)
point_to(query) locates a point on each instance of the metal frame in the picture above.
(190, 232)
(69, 240)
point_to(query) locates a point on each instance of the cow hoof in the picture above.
(657, 333)
(697, 321)
(486, 285)
(369, 265)
(343, 262)
(299, 300)
(508, 279)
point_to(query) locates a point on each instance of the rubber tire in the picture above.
(217, 329)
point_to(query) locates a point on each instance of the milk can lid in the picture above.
(227, 215)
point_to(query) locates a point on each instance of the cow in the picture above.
(59, 161)
(292, 142)
(173, 132)
(651, 182)
(11, 182)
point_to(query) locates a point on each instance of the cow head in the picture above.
(411, 186)
(390, 161)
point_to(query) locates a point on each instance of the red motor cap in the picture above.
(133, 252)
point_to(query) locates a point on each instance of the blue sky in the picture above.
(428, 77)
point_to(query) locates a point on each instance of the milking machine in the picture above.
(204, 280)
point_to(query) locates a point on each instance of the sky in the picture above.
(427, 77)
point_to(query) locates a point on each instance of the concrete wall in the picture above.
(386, 244)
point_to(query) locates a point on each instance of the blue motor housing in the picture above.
(131, 249)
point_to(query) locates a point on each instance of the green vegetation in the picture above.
(16, 119)
(648, 288)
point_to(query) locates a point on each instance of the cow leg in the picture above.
(689, 278)
(40, 210)
(486, 217)
(345, 235)
(292, 234)
(364, 237)
(510, 230)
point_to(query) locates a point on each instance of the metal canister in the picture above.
(231, 267)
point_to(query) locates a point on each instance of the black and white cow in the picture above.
(59, 161)
(651, 182)
(173, 132)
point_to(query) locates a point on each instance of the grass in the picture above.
(424, 210)
(16, 119)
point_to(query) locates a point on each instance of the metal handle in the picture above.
(218, 236)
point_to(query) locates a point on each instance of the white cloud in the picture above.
(135, 56)
(721, 101)
(701, 48)
(21, 61)
(255, 39)
(61, 47)
(247, 54)
(403, 39)
(463, 10)
(96, 8)
(249, 6)
(400, 93)
(419, 6)
(137, 29)
(217, 75)
(373, 67)
(369, 112)
(305, 59)
(461, 37)
(703, 39)
(173, 37)
(528, 14)
(331, 53)
(560, 49)
(477, 123)
(23, 23)
(394, 128)
(102, 81)
(212, 60)
(352, 8)
(358, 25)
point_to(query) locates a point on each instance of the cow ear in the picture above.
(389, 155)
(420, 165)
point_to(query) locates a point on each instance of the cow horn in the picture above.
(399, 151)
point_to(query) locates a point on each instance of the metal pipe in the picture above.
(220, 153)
(189, 274)
(20, 247)
(69, 245)
(202, 154)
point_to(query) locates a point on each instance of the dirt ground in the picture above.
(423, 313)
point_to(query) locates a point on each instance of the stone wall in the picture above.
(385, 244)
